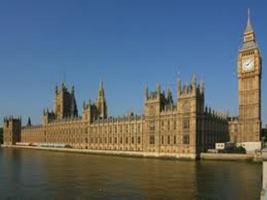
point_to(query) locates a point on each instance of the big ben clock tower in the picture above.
(249, 82)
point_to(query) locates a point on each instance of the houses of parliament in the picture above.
(181, 127)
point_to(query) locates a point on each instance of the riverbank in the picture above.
(108, 152)
(229, 157)
(203, 156)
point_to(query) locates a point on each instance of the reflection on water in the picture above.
(32, 174)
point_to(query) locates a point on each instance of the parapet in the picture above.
(11, 119)
(188, 89)
(215, 114)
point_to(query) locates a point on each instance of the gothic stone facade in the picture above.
(181, 129)
(12, 130)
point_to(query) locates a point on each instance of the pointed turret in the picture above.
(101, 92)
(179, 87)
(73, 108)
(101, 102)
(249, 27)
(194, 80)
(146, 92)
(169, 96)
(72, 90)
(249, 41)
(56, 89)
(158, 89)
(62, 85)
(202, 87)
(29, 123)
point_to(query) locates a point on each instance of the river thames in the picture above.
(33, 174)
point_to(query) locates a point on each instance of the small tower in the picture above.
(48, 117)
(74, 110)
(65, 102)
(59, 101)
(12, 130)
(179, 87)
(29, 123)
(190, 107)
(89, 112)
(146, 92)
(190, 97)
(169, 98)
(153, 101)
(101, 102)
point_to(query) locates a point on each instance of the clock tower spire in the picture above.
(249, 81)
(249, 34)
(249, 27)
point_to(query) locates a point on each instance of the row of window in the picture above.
(168, 125)
(186, 139)
(186, 125)
(116, 129)
(168, 139)
(115, 140)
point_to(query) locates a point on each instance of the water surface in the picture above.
(33, 174)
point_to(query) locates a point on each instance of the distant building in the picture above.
(182, 129)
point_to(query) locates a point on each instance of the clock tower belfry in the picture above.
(249, 85)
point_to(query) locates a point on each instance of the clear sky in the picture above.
(125, 43)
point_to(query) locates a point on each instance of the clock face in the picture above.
(248, 64)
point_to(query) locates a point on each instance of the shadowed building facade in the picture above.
(181, 128)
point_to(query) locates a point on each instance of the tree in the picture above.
(1, 135)
(238, 150)
(264, 134)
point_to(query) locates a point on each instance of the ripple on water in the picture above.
(29, 174)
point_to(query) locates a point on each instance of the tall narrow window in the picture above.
(186, 139)
(139, 140)
(186, 123)
(152, 126)
(152, 139)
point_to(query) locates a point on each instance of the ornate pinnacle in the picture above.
(249, 27)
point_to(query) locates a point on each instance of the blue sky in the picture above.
(125, 43)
